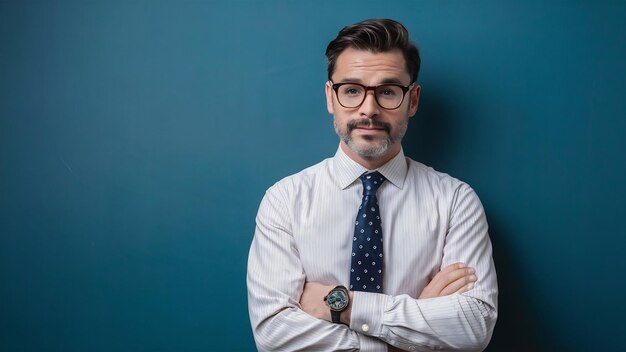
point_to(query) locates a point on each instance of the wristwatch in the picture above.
(337, 300)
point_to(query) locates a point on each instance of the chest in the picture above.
(414, 230)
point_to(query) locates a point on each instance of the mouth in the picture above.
(367, 128)
(367, 125)
(369, 132)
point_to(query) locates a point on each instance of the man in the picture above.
(414, 270)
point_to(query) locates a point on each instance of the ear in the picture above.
(329, 97)
(415, 98)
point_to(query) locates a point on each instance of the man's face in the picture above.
(369, 132)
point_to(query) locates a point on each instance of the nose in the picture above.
(369, 108)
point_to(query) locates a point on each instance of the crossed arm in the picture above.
(455, 278)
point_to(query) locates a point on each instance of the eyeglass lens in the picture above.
(353, 95)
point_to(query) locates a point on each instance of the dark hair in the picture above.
(375, 35)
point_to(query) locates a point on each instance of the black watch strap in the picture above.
(335, 316)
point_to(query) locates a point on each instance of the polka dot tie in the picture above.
(366, 273)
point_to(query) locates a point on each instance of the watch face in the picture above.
(337, 300)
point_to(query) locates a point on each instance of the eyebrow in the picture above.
(384, 81)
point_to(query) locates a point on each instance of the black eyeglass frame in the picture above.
(405, 89)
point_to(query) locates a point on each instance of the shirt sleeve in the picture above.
(275, 283)
(458, 322)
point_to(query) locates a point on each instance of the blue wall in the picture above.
(138, 137)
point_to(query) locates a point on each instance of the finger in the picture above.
(458, 274)
(465, 288)
(462, 284)
(449, 275)
(452, 267)
(440, 280)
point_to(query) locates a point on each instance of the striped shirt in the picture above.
(304, 232)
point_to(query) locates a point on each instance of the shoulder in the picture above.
(304, 179)
(427, 175)
(451, 195)
(439, 184)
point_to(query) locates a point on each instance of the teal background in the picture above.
(138, 137)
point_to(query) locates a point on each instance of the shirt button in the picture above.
(365, 327)
(412, 348)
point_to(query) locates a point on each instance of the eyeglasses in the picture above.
(389, 96)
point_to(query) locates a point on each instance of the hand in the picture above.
(312, 300)
(455, 278)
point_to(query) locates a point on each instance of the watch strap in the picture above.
(336, 316)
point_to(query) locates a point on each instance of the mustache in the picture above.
(368, 123)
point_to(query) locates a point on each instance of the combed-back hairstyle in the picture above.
(377, 36)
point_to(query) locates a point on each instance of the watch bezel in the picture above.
(344, 291)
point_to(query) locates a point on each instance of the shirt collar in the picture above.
(347, 170)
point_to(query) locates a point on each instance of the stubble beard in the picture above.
(372, 147)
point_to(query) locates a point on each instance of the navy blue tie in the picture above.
(366, 273)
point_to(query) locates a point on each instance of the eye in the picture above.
(388, 91)
(351, 90)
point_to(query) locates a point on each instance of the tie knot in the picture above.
(371, 182)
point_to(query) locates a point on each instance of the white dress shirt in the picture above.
(304, 232)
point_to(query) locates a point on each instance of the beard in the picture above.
(372, 147)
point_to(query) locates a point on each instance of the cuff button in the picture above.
(365, 327)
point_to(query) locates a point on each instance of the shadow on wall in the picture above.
(519, 327)
(434, 139)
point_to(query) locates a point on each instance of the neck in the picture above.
(371, 163)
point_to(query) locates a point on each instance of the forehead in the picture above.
(362, 66)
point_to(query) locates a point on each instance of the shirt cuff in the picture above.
(367, 312)
(368, 343)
